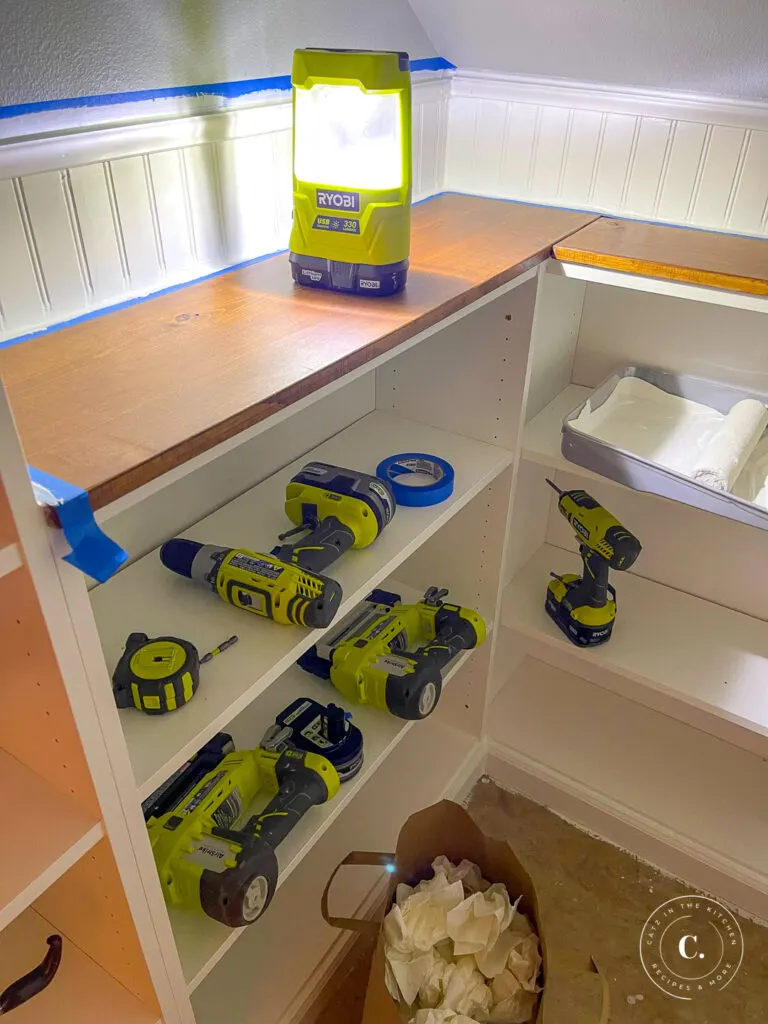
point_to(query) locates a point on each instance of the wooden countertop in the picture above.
(113, 402)
(674, 254)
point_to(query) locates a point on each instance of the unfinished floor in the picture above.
(594, 900)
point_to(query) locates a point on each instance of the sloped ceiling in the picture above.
(704, 46)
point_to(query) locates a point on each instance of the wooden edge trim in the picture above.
(668, 271)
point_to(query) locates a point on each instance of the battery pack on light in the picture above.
(351, 170)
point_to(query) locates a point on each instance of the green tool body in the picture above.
(584, 607)
(392, 655)
(209, 856)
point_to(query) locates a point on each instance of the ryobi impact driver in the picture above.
(584, 607)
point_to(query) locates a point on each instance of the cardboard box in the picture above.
(445, 828)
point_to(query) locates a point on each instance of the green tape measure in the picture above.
(159, 675)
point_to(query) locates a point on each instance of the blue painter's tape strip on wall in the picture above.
(93, 552)
(226, 90)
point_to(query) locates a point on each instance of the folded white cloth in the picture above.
(724, 457)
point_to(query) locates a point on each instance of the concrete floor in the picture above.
(594, 901)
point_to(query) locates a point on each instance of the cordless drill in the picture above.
(584, 607)
(391, 655)
(256, 582)
(334, 509)
(206, 859)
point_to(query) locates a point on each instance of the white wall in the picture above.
(705, 46)
(56, 49)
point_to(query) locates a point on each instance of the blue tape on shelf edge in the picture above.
(418, 496)
(93, 552)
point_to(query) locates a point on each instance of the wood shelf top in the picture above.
(731, 262)
(115, 401)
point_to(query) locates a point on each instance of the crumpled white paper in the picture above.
(465, 989)
(441, 1017)
(458, 952)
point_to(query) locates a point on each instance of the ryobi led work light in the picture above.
(351, 170)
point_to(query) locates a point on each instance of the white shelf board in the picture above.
(676, 652)
(47, 834)
(695, 793)
(147, 597)
(81, 992)
(201, 941)
(541, 436)
(10, 559)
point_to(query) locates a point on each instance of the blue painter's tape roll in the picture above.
(413, 495)
(93, 552)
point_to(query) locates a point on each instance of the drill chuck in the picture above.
(179, 554)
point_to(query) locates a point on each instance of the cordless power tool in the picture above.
(334, 509)
(584, 607)
(206, 857)
(391, 655)
(256, 582)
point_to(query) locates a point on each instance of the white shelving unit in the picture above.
(702, 656)
(657, 740)
(149, 598)
(234, 496)
(68, 833)
(66, 866)
(710, 819)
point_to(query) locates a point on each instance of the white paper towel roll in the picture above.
(724, 457)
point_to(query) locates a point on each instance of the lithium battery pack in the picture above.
(326, 730)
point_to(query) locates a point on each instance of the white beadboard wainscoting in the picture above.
(92, 215)
(692, 160)
(95, 216)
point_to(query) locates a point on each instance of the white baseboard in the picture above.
(674, 157)
(645, 838)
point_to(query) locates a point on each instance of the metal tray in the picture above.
(643, 475)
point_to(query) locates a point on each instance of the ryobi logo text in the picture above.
(329, 200)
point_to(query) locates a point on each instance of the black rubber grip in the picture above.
(317, 550)
(301, 788)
